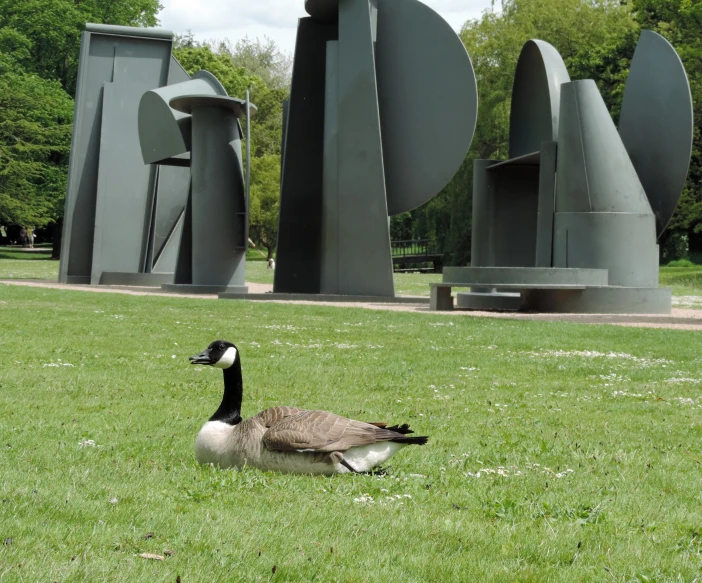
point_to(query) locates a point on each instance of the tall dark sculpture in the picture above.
(376, 83)
(569, 222)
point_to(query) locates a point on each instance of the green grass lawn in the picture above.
(558, 452)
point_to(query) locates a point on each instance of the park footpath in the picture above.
(679, 319)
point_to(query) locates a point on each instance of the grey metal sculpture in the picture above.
(374, 82)
(566, 224)
(114, 232)
(131, 218)
(195, 122)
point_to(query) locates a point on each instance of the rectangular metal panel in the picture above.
(329, 279)
(546, 205)
(125, 185)
(96, 66)
(105, 58)
(300, 224)
(516, 204)
(365, 259)
(482, 252)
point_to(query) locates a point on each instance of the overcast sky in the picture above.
(276, 19)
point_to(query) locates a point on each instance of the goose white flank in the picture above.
(289, 439)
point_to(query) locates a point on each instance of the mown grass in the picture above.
(586, 440)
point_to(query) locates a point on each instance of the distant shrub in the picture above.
(681, 263)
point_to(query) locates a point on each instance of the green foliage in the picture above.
(53, 28)
(35, 137)
(265, 201)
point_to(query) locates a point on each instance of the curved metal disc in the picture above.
(656, 123)
(536, 96)
(212, 80)
(326, 10)
(428, 101)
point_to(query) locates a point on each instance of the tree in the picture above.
(39, 46)
(54, 27)
(35, 137)
(265, 201)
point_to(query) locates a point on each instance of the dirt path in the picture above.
(679, 319)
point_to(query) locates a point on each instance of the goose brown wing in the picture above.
(273, 415)
(321, 431)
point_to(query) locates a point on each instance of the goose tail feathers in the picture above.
(419, 440)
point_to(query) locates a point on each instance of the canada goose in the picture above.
(288, 439)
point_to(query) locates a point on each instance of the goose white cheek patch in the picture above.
(227, 359)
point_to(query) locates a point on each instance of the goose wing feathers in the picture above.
(323, 432)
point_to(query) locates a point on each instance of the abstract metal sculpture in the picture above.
(374, 82)
(114, 231)
(569, 223)
(198, 118)
(132, 216)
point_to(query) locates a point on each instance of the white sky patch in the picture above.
(276, 19)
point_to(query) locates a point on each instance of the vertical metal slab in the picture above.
(139, 60)
(516, 202)
(329, 277)
(171, 197)
(482, 253)
(95, 67)
(218, 199)
(286, 110)
(365, 258)
(184, 264)
(125, 185)
(166, 260)
(298, 263)
(547, 205)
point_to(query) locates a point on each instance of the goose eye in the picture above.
(221, 347)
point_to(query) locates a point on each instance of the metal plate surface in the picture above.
(536, 96)
(428, 101)
(656, 123)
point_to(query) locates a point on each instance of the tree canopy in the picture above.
(39, 46)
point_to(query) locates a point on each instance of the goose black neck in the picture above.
(230, 408)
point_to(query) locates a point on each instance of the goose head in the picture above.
(220, 354)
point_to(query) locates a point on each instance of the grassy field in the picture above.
(558, 452)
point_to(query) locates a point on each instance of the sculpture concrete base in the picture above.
(186, 288)
(510, 301)
(135, 279)
(324, 298)
(602, 300)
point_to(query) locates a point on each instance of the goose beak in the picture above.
(202, 358)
